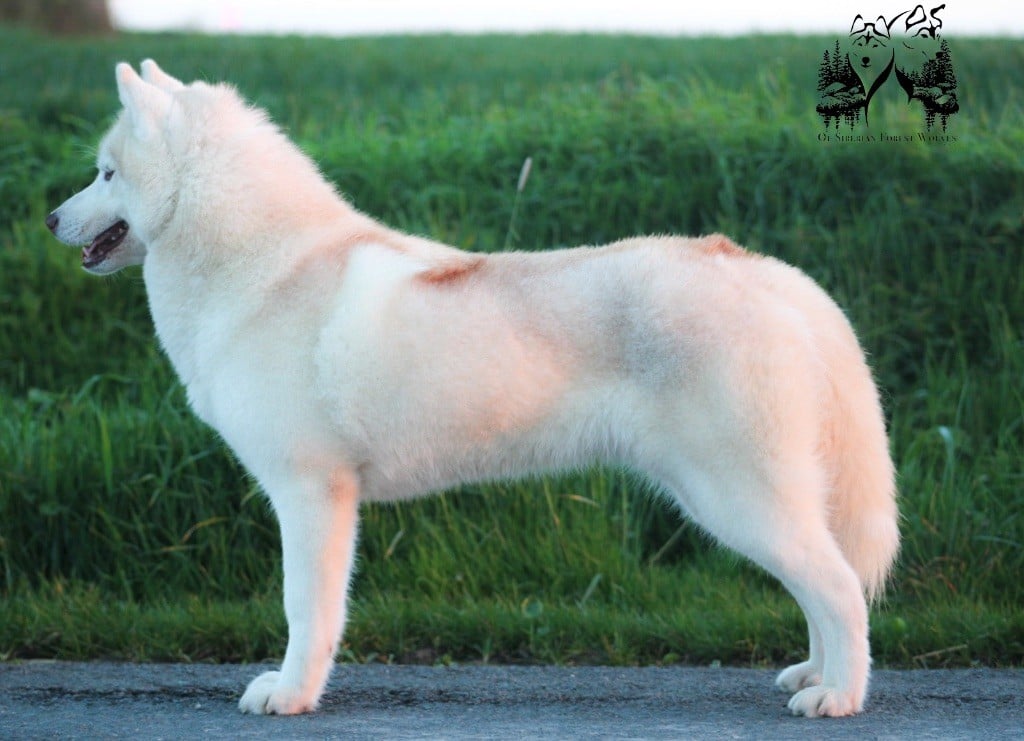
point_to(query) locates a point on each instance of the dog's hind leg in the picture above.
(807, 673)
(779, 520)
(318, 534)
(830, 595)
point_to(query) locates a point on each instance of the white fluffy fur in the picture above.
(345, 362)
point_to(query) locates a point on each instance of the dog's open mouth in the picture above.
(103, 244)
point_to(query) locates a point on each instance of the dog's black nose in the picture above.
(52, 221)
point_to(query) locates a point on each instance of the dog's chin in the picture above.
(109, 265)
(128, 254)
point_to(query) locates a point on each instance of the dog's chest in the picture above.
(191, 328)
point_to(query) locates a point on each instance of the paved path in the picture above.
(174, 701)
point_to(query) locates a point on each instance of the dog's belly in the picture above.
(578, 429)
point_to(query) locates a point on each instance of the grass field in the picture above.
(127, 530)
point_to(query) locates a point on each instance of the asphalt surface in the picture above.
(174, 701)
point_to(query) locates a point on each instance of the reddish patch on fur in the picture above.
(719, 244)
(450, 271)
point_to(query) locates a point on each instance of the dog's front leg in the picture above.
(318, 535)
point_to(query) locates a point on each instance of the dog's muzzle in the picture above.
(102, 244)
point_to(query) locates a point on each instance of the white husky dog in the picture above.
(345, 362)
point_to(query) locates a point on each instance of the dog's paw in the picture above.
(266, 696)
(798, 676)
(822, 700)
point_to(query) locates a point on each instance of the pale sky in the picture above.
(361, 17)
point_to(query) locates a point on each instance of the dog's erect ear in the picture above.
(147, 105)
(881, 27)
(151, 73)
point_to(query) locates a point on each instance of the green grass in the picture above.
(127, 530)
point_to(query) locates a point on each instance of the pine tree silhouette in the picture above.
(823, 73)
(930, 73)
(945, 63)
(837, 63)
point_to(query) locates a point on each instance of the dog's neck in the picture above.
(233, 238)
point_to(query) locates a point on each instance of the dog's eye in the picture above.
(107, 174)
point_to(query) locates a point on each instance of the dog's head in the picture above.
(869, 46)
(117, 215)
(919, 39)
(173, 171)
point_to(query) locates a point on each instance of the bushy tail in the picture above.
(864, 518)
